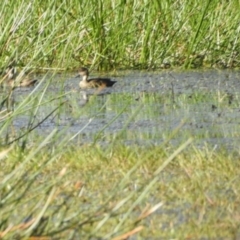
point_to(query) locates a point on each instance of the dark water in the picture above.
(142, 108)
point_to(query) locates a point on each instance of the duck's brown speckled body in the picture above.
(13, 80)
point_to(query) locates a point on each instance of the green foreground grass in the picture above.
(119, 34)
(107, 193)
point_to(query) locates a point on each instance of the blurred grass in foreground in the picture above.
(91, 192)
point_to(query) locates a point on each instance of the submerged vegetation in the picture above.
(55, 183)
(120, 34)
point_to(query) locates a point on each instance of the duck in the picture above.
(93, 82)
(14, 80)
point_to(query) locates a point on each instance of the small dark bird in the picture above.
(13, 79)
(93, 82)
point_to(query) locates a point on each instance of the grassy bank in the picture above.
(120, 34)
(108, 194)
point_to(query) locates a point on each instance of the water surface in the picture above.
(142, 108)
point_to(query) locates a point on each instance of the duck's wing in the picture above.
(99, 79)
(96, 82)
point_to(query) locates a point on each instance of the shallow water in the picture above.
(142, 108)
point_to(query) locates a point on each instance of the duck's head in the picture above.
(82, 72)
(11, 72)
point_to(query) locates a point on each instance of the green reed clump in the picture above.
(120, 34)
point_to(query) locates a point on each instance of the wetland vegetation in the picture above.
(156, 156)
(120, 34)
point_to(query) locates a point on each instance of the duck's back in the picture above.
(96, 83)
(101, 82)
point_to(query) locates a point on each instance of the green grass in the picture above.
(57, 185)
(119, 34)
(109, 192)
